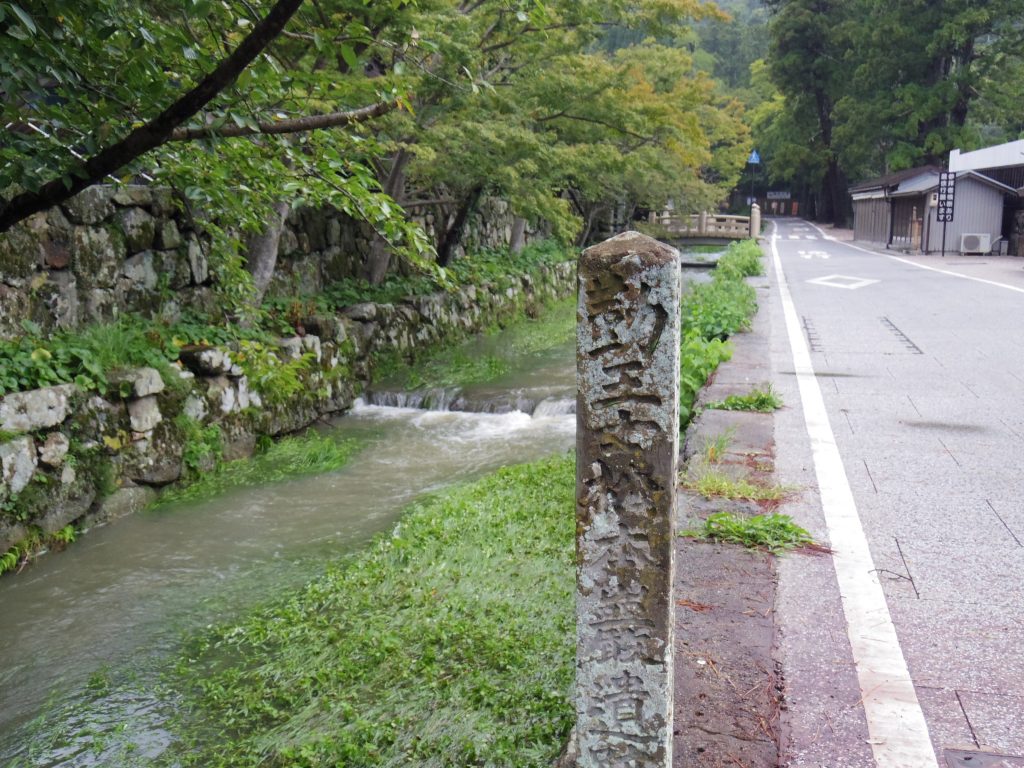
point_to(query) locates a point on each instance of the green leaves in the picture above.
(711, 312)
(23, 17)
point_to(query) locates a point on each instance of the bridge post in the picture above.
(702, 223)
(627, 432)
(755, 221)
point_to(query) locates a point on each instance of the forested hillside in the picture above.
(856, 88)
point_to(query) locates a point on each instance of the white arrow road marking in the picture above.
(813, 255)
(843, 281)
(897, 730)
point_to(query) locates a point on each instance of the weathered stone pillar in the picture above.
(702, 223)
(755, 221)
(626, 453)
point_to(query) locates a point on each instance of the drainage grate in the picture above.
(904, 339)
(956, 758)
(813, 339)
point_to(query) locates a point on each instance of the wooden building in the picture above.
(1005, 164)
(900, 211)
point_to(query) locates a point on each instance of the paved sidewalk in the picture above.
(765, 668)
(727, 682)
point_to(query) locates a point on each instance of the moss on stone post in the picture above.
(627, 447)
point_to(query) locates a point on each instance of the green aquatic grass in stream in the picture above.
(308, 454)
(448, 643)
(468, 364)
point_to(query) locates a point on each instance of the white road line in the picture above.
(923, 266)
(896, 725)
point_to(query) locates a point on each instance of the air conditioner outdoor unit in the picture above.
(979, 243)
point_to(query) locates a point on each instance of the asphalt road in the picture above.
(904, 437)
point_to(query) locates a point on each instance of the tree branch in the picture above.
(158, 130)
(293, 125)
(524, 31)
(429, 203)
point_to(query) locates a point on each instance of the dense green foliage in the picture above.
(88, 357)
(446, 643)
(475, 99)
(711, 312)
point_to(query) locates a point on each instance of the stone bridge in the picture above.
(704, 228)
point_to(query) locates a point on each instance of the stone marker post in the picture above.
(755, 221)
(627, 432)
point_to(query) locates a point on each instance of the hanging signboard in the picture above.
(781, 194)
(947, 195)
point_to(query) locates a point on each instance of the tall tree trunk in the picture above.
(518, 239)
(375, 268)
(588, 226)
(261, 258)
(453, 234)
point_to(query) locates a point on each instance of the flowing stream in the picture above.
(85, 632)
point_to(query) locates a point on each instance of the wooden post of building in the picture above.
(915, 230)
(626, 457)
(755, 221)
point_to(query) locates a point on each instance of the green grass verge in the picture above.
(447, 643)
(309, 454)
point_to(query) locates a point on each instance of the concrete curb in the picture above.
(727, 677)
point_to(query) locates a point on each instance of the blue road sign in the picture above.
(754, 159)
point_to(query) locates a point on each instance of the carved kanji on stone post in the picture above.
(626, 455)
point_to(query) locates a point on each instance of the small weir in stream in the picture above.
(87, 632)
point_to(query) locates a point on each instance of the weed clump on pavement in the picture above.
(775, 532)
(714, 483)
(761, 400)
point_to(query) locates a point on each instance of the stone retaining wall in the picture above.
(68, 455)
(111, 250)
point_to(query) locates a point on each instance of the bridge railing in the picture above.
(705, 225)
